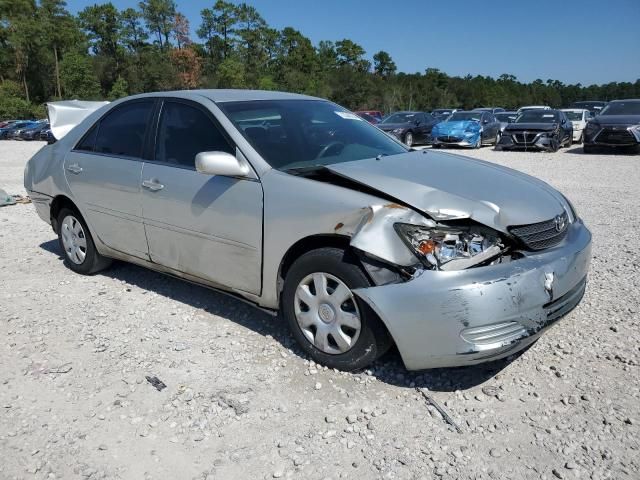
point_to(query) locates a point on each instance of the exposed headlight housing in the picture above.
(450, 248)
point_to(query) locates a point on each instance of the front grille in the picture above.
(449, 139)
(538, 236)
(526, 137)
(616, 136)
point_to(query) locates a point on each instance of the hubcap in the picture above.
(408, 139)
(74, 240)
(327, 313)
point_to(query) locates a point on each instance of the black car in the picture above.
(594, 106)
(33, 133)
(618, 125)
(547, 130)
(410, 128)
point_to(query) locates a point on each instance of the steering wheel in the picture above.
(331, 145)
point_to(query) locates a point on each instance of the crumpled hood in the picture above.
(447, 186)
(457, 126)
(534, 127)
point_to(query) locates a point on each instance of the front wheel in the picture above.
(408, 139)
(328, 320)
(75, 240)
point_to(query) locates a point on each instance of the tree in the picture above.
(383, 65)
(181, 30)
(159, 17)
(351, 54)
(133, 33)
(188, 66)
(119, 89)
(77, 77)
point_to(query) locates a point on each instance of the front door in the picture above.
(104, 171)
(206, 226)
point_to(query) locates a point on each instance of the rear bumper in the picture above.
(42, 204)
(457, 318)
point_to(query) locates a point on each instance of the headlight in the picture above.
(592, 128)
(445, 248)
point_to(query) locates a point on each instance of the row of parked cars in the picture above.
(536, 127)
(25, 130)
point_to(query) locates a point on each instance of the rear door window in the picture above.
(122, 131)
(185, 131)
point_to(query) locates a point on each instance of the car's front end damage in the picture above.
(460, 279)
(456, 133)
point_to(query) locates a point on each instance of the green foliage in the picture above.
(119, 89)
(103, 52)
(77, 77)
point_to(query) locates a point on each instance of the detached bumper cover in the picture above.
(447, 319)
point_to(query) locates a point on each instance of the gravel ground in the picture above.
(241, 401)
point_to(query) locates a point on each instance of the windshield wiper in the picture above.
(305, 170)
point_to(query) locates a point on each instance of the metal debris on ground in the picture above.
(156, 382)
(64, 368)
(441, 410)
(6, 199)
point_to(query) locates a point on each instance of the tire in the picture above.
(478, 144)
(555, 145)
(356, 347)
(498, 136)
(75, 240)
(408, 139)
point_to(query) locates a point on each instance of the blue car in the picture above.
(466, 129)
(8, 130)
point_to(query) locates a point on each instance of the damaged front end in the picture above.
(440, 307)
(408, 240)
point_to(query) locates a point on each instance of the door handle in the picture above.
(74, 168)
(152, 185)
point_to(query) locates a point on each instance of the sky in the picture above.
(574, 41)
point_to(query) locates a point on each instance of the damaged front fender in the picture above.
(371, 231)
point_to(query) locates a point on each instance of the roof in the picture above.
(232, 95)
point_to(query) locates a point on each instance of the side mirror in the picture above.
(220, 163)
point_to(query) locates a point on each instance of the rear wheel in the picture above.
(328, 320)
(75, 240)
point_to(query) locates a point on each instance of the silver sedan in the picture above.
(297, 205)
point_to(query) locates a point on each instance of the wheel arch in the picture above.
(59, 202)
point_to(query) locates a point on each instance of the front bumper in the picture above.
(613, 136)
(458, 140)
(458, 318)
(531, 141)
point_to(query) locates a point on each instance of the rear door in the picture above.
(206, 226)
(103, 171)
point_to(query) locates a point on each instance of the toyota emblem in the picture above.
(560, 223)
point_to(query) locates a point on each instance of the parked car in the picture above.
(369, 118)
(6, 123)
(505, 118)
(443, 113)
(7, 132)
(578, 118)
(537, 129)
(533, 107)
(618, 125)
(374, 113)
(33, 132)
(411, 128)
(466, 129)
(290, 202)
(47, 136)
(594, 106)
(493, 110)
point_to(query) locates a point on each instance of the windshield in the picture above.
(621, 108)
(292, 134)
(404, 117)
(441, 111)
(575, 116)
(588, 105)
(462, 116)
(537, 116)
(505, 117)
